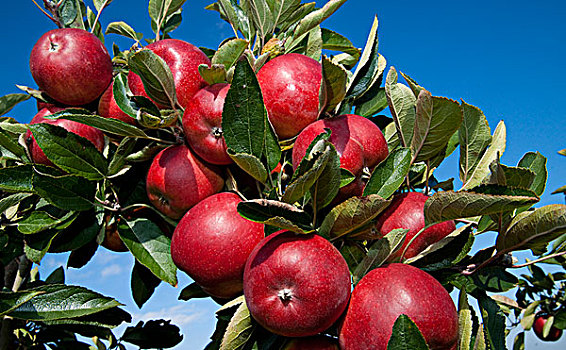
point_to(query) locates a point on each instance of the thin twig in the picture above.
(98, 16)
(538, 260)
(44, 12)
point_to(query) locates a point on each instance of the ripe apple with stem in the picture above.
(71, 65)
(296, 285)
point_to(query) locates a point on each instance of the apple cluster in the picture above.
(295, 285)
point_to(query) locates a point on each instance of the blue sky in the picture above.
(505, 57)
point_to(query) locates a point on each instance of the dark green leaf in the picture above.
(156, 77)
(143, 284)
(475, 137)
(36, 246)
(328, 183)
(10, 301)
(243, 117)
(8, 102)
(213, 74)
(58, 301)
(39, 221)
(150, 247)
(275, 213)
(353, 253)
(192, 291)
(154, 334)
(121, 93)
(373, 102)
(251, 164)
(313, 19)
(69, 151)
(80, 257)
(534, 229)
(389, 174)
(122, 28)
(379, 252)
(109, 125)
(12, 200)
(494, 321)
(272, 147)
(450, 205)
(11, 143)
(335, 42)
(17, 178)
(56, 277)
(66, 192)
(118, 161)
(352, 214)
(260, 14)
(406, 336)
(465, 321)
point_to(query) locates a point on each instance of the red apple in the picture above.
(183, 59)
(177, 180)
(290, 85)
(88, 132)
(71, 65)
(296, 285)
(358, 141)
(212, 243)
(318, 342)
(407, 211)
(386, 293)
(202, 124)
(108, 108)
(538, 325)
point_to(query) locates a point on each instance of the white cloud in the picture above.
(180, 315)
(111, 270)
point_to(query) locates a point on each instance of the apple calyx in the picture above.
(285, 295)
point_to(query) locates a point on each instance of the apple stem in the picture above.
(285, 295)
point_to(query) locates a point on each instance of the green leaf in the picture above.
(335, 78)
(313, 19)
(275, 213)
(402, 104)
(160, 9)
(379, 252)
(69, 151)
(57, 301)
(68, 12)
(251, 164)
(39, 221)
(533, 229)
(118, 161)
(328, 183)
(510, 176)
(10, 142)
(373, 102)
(494, 279)
(313, 48)
(36, 246)
(192, 291)
(272, 148)
(260, 14)
(8, 102)
(153, 334)
(450, 205)
(213, 74)
(353, 253)
(406, 336)
(98, 4)
(236, 16)
(10, 201)
(121, 91)
(17, 178)
(494, 321)
(239, 330)
(535, 162)
(436, 120)
(465, 322)
(150, 247)
(243, 116)
(282, 10)
(66, 192)
(352, 214)
(475, 137)
(519, 341)
(494, 152)
(143, 284)
(9, 301)
(109, 125)
(335, 42)
(156, 76)
(229, 53)
(389, 174)
(56, 277)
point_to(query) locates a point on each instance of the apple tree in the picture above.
(281, 171)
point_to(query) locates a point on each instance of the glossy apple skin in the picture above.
(95, 136)
(407, 211)
(183, 59)
(296, 285)
(71, 65)
(290, 85)
(317, 342)
(358, 141)
(108, 108)
(202, 124)
(212, 243)
(384, 294)
(538, 326)
(177, 180)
